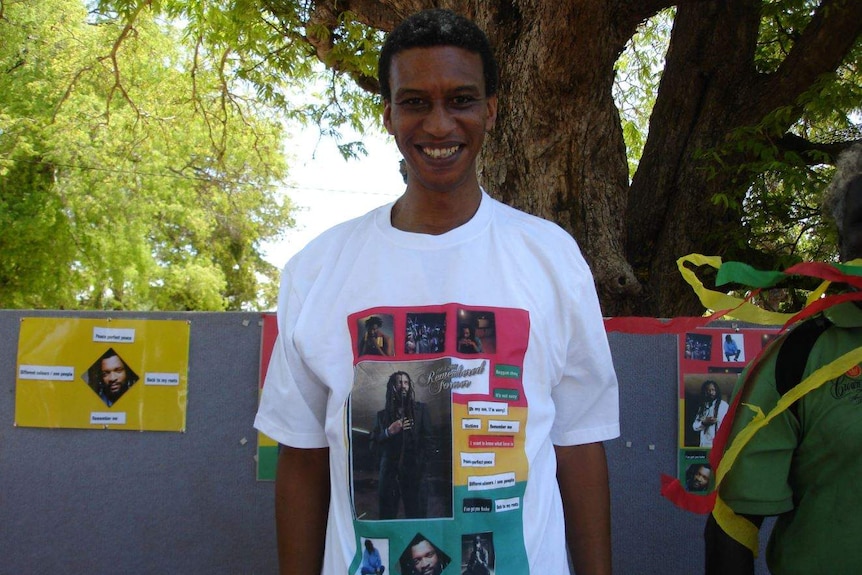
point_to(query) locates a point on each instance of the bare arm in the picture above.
(582, 472)
(301, 509)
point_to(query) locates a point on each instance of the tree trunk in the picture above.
(558, 150)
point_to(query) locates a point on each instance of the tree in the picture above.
(745, 85)
(133, 173)
(745, 112)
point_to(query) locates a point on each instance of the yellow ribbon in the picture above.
(741, 310)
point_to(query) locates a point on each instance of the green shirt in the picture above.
(805, 465)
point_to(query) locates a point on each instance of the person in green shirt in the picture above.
(803, 466)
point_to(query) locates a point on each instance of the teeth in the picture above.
(439, 153)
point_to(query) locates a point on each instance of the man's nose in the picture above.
(438, 121)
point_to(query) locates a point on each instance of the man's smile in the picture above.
(440, 153)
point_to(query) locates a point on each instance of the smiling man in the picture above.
(423, 558)
(445, 247)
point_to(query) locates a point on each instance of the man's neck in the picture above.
(434, 213)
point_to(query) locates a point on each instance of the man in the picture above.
(698, 477)
(730, 348)
(371, 562)
(402, 437)
(113, 377)
(802, 466)
(469, 343)
(710, 412)
(449, 245)
(375, 341)
(423, 558)
(478, 564)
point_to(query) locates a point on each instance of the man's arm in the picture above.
(725, 555)
(301, 509)
(582, 472)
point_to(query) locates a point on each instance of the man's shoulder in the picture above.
(542, 241)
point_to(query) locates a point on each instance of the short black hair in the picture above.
(436, 27)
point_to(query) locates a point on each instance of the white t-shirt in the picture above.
(544, 376)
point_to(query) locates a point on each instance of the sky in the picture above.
(327, 190)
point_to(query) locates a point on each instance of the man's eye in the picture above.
(412, 103)
(464, 101)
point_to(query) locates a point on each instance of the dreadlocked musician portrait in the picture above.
(402, 437)
(710, 412)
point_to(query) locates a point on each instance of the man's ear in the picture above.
(387, 116)
(491, 110)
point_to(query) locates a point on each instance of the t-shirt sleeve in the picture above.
(293, 402)
(758, 482)
(586, 399)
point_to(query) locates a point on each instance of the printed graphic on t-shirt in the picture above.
(437, 418)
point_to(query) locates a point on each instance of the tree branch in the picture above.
(812, 152)
(819, 49)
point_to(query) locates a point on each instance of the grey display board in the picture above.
(92, 501)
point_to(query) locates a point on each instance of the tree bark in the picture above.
(558, 149)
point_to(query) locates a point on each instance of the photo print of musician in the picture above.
(110, 377)
(706, 404)
(476, 332)
(698, 346)
(376, 335)
(423, 557)
(425, 333)
(733, 347)
(477, 554)
(401, 441)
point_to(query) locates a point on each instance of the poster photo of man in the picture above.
(477, 554)
(401, 442)
(423, 557)
(110, 377)
(705, 406)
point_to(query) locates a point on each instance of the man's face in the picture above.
(402, 384)
(851, 242)
(711, 392)
(701, 478)
(114, 374)
(439, 115)
(425, 560)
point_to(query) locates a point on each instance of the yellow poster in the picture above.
(102, 373)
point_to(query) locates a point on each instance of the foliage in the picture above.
(136, 172)
(786, 171)
(637, 76)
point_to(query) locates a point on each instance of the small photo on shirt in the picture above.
(375, 556)
(425, 333)
(477, 332)
(422, 556)
(375, 335)
(477, 554)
